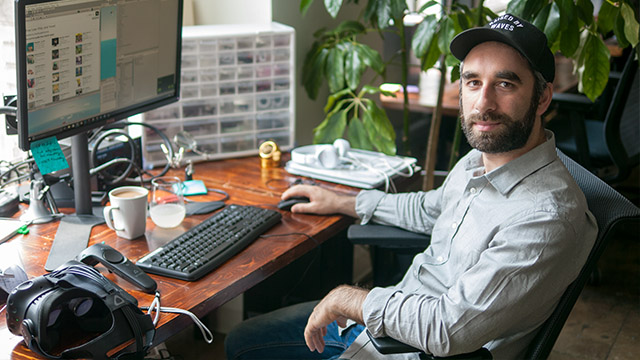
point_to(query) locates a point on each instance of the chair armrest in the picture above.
(573, 100)
(386, 237)
(386, 345)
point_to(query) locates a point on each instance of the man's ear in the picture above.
(545, 99)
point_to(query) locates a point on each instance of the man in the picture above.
(509, 228)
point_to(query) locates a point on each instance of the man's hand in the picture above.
(321, 201)
(342, 303)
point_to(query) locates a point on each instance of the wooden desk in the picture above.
(246, 184)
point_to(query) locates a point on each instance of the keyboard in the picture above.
(208, 245)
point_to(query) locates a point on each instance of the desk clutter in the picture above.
(340, 164)
(237, 92)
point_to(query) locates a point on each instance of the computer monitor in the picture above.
(82, 64)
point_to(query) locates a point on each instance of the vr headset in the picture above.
(75, 312)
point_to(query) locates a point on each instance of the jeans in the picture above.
(280, 335)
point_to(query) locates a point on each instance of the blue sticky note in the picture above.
(194, 187)
(48, 155)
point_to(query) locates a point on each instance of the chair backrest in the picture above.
(621, 127)
(610, 209)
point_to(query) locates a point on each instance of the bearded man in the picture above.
(510, 229)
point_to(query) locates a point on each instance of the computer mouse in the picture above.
(288, 203)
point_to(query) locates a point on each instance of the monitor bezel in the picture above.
(24, 140)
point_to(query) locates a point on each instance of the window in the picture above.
(8, 144)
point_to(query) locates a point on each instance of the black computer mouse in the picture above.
(288, 203)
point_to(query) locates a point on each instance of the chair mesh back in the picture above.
(608, 207)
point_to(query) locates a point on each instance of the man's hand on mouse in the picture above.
(321, 201)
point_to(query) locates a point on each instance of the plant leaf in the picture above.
(570, 38)
(304, 6)
(630, 24)
(350, 27)
(380, 121)
(313, 70)
(331, 128)
(431, 56)
(526, 9)
(423, 35)
(445, 34)
(596, 67)
(372, 118)
(333, 98)
(607, 17)
(552, 26)
(516, 7)
(428, 5)
(566, 8)
(618, 30)
(383, 13)
(368, 89)
(541, 18)
(333, 7)
(585, 11)
(358, 136)
(354, 67)
(334, 70)
(398, 8)
(371, 58)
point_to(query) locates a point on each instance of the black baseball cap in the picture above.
(517, 33)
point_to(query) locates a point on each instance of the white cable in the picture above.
(155, 305)
(206, 333)
(388, 183)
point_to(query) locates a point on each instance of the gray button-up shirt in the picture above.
(504, 247)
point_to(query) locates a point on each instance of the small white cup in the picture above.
(127, 213)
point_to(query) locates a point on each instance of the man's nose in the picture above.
(486, 101)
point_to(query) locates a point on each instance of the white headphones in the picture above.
(327, 156)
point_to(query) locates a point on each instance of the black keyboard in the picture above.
(209, 244)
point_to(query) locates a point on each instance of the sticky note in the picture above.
(48, 155)
(194, 187)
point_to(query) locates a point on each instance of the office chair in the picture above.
(603, 136)
(612, 212)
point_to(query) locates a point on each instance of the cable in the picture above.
(8, 110)
(222, 192)
(108, 178)
(155, 305)
(165, 140)
(206, 333)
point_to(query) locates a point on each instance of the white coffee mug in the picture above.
(127, 213)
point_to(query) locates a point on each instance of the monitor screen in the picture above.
(84, 63)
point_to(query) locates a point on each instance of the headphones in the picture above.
(56, 312)
(327, 156)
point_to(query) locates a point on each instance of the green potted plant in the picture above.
(338, 58)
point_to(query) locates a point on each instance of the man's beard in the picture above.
(513, 136)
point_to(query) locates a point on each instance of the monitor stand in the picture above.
(74, 230)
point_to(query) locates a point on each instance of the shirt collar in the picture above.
(509, 175)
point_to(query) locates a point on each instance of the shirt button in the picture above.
(454, 225)
(439, 258)
(473, 190)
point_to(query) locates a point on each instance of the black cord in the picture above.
(165, 140)
(222, 192)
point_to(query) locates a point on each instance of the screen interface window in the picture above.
(86, 58)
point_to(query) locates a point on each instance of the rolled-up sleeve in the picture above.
(416, 211)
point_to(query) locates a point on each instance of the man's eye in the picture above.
(505, 85)
(473, 83)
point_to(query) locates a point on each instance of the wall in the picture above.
(309, 113)
(232, 12)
